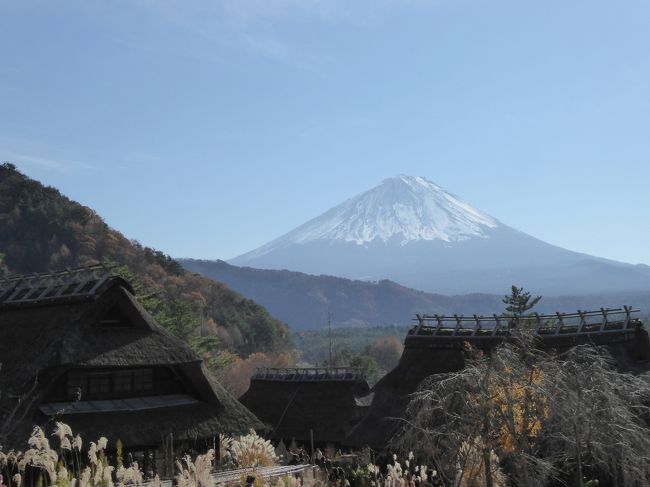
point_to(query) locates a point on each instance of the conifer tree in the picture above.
(519, 301)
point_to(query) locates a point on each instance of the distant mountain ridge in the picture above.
(413, 232)
(303, 300)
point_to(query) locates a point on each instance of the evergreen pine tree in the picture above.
(518, 302)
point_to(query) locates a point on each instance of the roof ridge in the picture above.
(56, 286)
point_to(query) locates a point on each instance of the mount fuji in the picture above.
(414, 232)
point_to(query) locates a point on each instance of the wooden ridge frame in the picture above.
(53, 286)
(604, 320)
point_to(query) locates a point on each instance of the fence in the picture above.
(605, 320)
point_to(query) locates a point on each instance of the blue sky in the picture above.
(205, 129)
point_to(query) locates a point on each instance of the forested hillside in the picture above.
(303, 300)
(40, 230)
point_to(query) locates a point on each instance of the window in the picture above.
(123, 381)
(108, 383)
(142, 380)
(99, 383)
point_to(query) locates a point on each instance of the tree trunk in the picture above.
(579, 483)
(487, 464)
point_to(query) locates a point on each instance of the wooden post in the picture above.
(478, 325)
(146, 464)
(560, 325)
(497, 325)
(171, 449)
(329, 327)
(311, 437)
(421, 321)
(439, 320)
(628, 316)
(458, 324)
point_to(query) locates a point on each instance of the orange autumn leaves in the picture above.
(516, 406)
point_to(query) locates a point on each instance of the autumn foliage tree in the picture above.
(42, 230)
(490, 409)
(541, 416)
(236, 376)
(386, 351)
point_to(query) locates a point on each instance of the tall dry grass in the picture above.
(66, 465)
(248, 451)
(196, 473)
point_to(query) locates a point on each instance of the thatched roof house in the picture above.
(79, 348)
(295, 402)
(436, 345)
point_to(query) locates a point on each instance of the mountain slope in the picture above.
(303, 300)
(40, 229)
(402, 209)
(413, 232)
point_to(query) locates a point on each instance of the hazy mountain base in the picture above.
(303, 300)
(483, 265)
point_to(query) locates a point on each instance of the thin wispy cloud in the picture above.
(209, 30)
(251, 12)
(269, 47)
(58, 165)
(141, 158)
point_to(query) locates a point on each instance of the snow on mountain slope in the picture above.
(402, 209)
(413, 232)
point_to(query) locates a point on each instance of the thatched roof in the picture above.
(42, 339)
(291, 402)
(429, 353)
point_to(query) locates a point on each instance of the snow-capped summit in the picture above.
(405, 208)
(414, 232)
(401, 209)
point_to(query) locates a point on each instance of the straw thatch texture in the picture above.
(43, 341)
(290, 408)
(425, 356)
